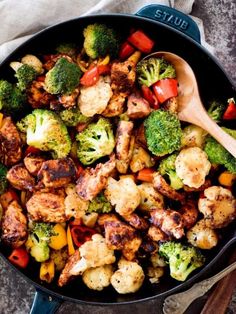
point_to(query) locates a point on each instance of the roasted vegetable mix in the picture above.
(98, 177)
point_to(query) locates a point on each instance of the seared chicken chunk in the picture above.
(94, 99)
(169, 221)
(189, 213)
(14, 226)
(164, 188)
(38, 97)
(33, 163)
(69, 101)
(138, 107)
(56, 173)
(46, 207)
(124, 145)
(192, 166)
(115, 106)
(140, 136)
(218, 207)
(149, 197)
(136, 221)
(91, 254)
(106, 217)
(93, 181)
(20, 178)
(123, 194)
(123, 77)
(98, 278)
(120, 236)
(74, 205)
(202, 236)
(171, 105)
(128, 278)
(140, 159)
(10, 143)
(156, 234)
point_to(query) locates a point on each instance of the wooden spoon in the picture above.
(190, 107)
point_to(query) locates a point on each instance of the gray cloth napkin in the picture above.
(20, 19)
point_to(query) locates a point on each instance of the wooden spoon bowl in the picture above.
(190, 107)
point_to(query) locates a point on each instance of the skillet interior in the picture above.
(213, 84)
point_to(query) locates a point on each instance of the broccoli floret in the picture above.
(151, 70)
(12, 100)
(182, 259)
(39, 238)
(47, 132)
(216, 111)
(100, 205)
(67, 49)
(63, 77)
(99, 41)
(25, 75)
(218, 155)
(96, 141)
(3, 178)
(24, 123)
(167, 167)
(163, 132)
(72, 117)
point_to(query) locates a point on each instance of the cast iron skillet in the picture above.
(172, 31)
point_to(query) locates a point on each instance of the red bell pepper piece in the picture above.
(104, 69)
(19, 257)
(165, 89)
(126, 50)
(90, 77)
(141, 41)
(31, 150)
(81, 234)
(230, 113)
(149, 96)
(145, 175)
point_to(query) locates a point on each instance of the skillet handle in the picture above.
(172, 18)
(44, 303)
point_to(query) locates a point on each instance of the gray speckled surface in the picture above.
(16, 295)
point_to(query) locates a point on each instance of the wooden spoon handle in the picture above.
(202, 119)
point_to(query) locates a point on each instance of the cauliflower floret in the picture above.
(140, 159)
(157, 260)
(98, 278)
(202, 236)
(149, 197)
(34, 62)
(128, 278)
(94, 99)
(123, 194)
(218, 207)
(93, 253)
(192, 166)
(74, 205)
(154, 274)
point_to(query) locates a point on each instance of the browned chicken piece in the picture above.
(120, 236)
(140, 159)
(10, 143)
(14, 226)
(106, 217)
(171, 105)
(53, 58)
(164, 188)
(149, 246)
(56, 173)
(156, 234)
(65, 275)
(93, 180)
(124, 145)
(140, 136)
(170, 222)
(69, 101)
(136, 221)
(38, 97)
(205, 185)
(46, 207)
(123, 77)
(115, 106)
(189, 213)
(138, 107)
(33, 163)
(20, 178)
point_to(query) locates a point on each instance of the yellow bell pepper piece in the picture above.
(1, 118)
(71, 249)
(47, 271)
(135, 57)
(104, 61)
(226, 178)
(59, 240)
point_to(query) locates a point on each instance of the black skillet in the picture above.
(174, 32)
